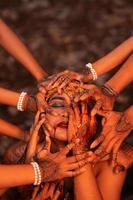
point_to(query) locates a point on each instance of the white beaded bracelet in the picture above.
(92, 70)
(20, 101)
(37, 172)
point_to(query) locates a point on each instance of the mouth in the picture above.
(63, 125)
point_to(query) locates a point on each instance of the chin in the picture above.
(60, 134)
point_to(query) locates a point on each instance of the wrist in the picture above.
(37, 173)
(129, 114)
(30, 104)
(90, 73)
(109, 91)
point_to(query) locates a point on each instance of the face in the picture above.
(58, 105)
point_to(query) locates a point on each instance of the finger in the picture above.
(96, 108)
(51, 189)
(42, 89)
(37, 117)
(76, 165)
(64, 84)
(96, 142)
(49, 129)
(35, 191)
(74, 173)
(115, 152)
(88, 86)
(82, 94)
(32, 145)
(92, 157)
(84, 111)
(43, 153)
(60, 80)
(71, 131)
(41, 103)
(111, 144)
(77, 114)
(48, 143)
(84, 107)
(104, 113)
(45, 189)
(87, 94)
(39, 124)
(68, 148)
(93, 125)
(56, 195)
(76, 158)
(54, 79)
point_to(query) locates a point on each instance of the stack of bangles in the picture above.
(37, 172)
(92, 71)
(109, 91)
(21, 105)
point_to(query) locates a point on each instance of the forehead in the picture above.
(60, 97)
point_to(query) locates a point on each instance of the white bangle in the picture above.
(20, 101)
(37, 172)
(92, 70)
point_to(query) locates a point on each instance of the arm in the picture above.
(12, 44)
(85, 186)
(114, 58)
(123, 77)
(110, 184)
(17, 175)
(9, 97)
(11, 130)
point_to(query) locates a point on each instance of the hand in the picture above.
(115, 130)
(60, 80)
(103, 101)
(30, 104)
(81, 126)
(56, 166)
(33, 146)
(49, 191)
(124, 159)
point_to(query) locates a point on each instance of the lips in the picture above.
(63, 125)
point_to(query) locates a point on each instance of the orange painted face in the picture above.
(58, 104)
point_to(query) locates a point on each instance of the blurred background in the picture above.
(63, 34)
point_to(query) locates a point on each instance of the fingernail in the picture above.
(77, 140)
(92, 146)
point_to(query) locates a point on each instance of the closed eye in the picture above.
(57, 105)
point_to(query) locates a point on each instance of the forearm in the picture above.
(114, 58)
(11, 130)
(85, 186)
(110, 184)
(16, 175)
(123, 77)
(10, 42)
(8, 97)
